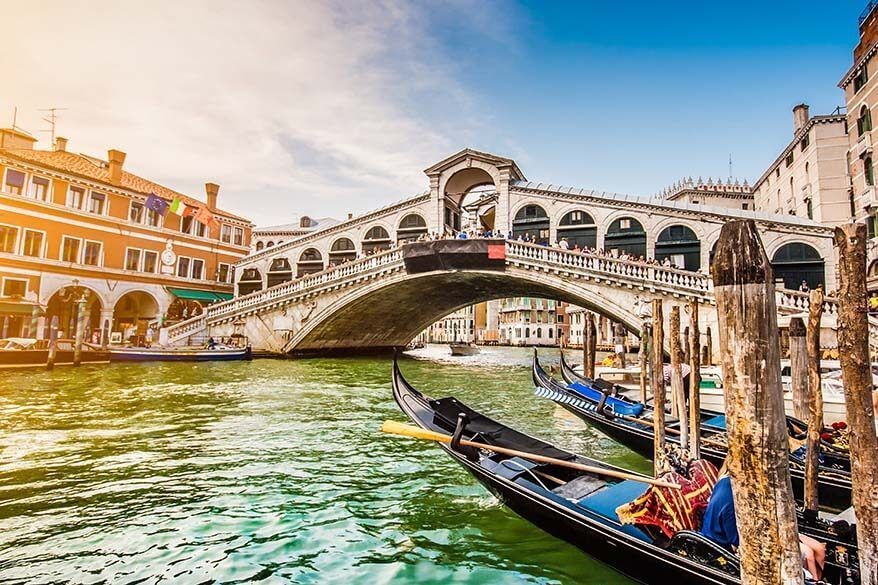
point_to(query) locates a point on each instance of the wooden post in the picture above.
(799, 368)
(644, 360)
(592, 347)
(758, 459)
(679, 397)
(619, 335)
(105, 335)
(80, 331)
(53, 345)
(853, 349)
(694, 384)
(684, 342)
(815, 399)
(708, 361)
(657, 380)
(585, 324)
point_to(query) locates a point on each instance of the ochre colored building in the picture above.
(74, 226)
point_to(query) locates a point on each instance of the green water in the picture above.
(267, 472)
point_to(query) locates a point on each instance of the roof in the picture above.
(96, 169)
(317, 223)
(19, 132)
(852, 72)
(491, 159)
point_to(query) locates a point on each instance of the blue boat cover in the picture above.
(717, 421)
(605, 501)
(615, 404)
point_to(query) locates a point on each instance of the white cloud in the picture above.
(320, 108)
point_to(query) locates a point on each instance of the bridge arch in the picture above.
(579, 228)
(310, 261)
(796, 261)
(411, 227)
(680, 245)
(531, 221)
(250, 281)
(458, 185)
(626, 235)
(376, 239)
(279, 271)
(342, 250)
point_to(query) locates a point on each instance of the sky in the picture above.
(335, 107)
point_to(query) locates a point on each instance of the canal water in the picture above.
(271, 471)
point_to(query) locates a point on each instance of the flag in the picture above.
(157, 204)
(203, 215)
(178, 207)
(188, 211)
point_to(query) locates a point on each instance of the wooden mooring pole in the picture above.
(645, 341)
(708, 361)
(657, 381)
(694, 383)
(815, 399)
(853, 349)
(80, 332)
(799, 368)
(679, 396)
(53, 343)
(592, 333)
(758, 459)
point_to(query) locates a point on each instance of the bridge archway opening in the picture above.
(479, 208)
(63, 305)
(411, 227)
(269, 244)
(310, 261)
(680, 245)
(342, 250)
(626, 236)
(376, 240)
(531, 222)
(259, 245)
(798, 262)
(279, 272)
(467, 196)
(251, 281)
(579, 229)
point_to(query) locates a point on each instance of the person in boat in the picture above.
(719, 525)
(211, 344)
(149, 335)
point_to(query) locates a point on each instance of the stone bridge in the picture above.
(346, 287)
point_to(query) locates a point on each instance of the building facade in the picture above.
(76, 227)
(268, 237)
(527, 321)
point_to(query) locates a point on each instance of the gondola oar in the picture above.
(396, 428)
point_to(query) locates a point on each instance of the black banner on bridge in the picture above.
(454, 255)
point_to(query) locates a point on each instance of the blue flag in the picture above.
(157, 204)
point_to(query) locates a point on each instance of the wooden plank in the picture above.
(657, 381)
(815, 399)
(799, 368)
(694, 383)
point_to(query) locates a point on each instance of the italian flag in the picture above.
(178, 207)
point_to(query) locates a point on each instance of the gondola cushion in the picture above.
(615, 404)
(605, 501)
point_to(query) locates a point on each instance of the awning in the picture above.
(7, 308)
(199, 295)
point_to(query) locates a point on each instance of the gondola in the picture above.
(636, 432)
(581, 511)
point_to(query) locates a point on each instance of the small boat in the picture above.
(579, 507)
(632, 426)
(461, 348)
(23, 352)
(180, 354)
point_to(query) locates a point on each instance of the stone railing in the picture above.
(286, 290)
(800, 302)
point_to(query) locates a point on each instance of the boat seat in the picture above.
(717, 421)
(604, 502)
(578, 488)
(696, 546)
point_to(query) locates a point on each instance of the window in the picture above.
(33, 243)
(38, 188)
(183, 266)
(14, 287)
(226, 234)
(869, 171)
(75, 196)
(224, 273)
(136, 212)
(153, 218)
(200, 229)
(150, 261)
(8, 237)
(777, 172)
(745, 206)
(239, 236)
(132, 258)
(871, 222)
(625, 224)
(186, 224)
(864, 121)
(91, 253)
(70, 249)
(789, 160)
(197, 268)
(810, 209)
(806, 141)
(97, 202)
(861, 78)
(14, 182)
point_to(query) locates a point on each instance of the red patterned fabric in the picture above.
(669, 509)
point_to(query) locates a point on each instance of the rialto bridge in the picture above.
(346, 287)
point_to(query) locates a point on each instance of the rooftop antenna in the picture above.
(730, 166)
(52, 118)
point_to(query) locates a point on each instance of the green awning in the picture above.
(7, 308)
(199, 295)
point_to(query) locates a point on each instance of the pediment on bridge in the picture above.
(468, 156)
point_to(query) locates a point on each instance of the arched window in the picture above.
(270, 244)
(251, 281)
(342, 250)
(626, 236)
(579, 229)
(259, 245)
(411, 227)
(376, 240)
(864, 121)
(279, 272)
(531, 223)
(680, 245)
(796, 262)
(310, 261)
(868, 171)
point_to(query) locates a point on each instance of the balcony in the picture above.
(867, 199)
(863, 147)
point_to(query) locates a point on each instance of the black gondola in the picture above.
(834, 483)
(582, 510)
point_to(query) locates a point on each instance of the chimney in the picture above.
(117, 159)
(350, 216)
(212, 190)
(60, 144)
(800, 117)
